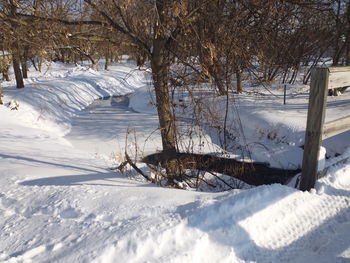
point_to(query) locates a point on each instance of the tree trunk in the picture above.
(16, 58)
(347, 56)
(251, 173)
(24, 67)
(34, 64)
(17, 70)
(160, 60)
(160, 69)
(216, 74)
(347, 59)
(294, 75)
(239, 81)
(40, 64)
(93, 62)
(338, 46)
(106, 57)
(63, 56)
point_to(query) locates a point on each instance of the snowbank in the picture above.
(49, 100)
(266, 224)
(143, 100)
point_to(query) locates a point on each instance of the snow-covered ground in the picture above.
(60, 202)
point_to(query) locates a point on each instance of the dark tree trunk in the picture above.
(336, 52)
(251, 173)
(82, 52)
(24, 62)
(16, 58)
(160, 60)
(239, 81)
(285, 74)
(160, 67)
(24, 69)
(347, 56)
(40, 64)
(140, 59)
(17, 70)
(216, 73)
(347, 59)
(336, 57)
(107, 53)
(294, 75)
(107, 59)
(345, 48)
(63, 56)
(34, 64)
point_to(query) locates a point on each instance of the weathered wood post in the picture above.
(314, 127)
(322, 79)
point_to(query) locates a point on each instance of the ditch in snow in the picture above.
(109, 125)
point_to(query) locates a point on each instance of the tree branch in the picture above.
(62, 21)
(119, 28)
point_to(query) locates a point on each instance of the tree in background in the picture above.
(12, 36)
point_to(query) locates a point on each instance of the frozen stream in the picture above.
(102, 128)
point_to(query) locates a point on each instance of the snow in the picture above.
(273, 132)
(60, 202)
(321, 159)
(107, 124)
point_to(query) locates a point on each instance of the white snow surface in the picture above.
(273, 132)
(59, 202)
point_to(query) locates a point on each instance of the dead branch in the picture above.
(133, 165)
(252, 173)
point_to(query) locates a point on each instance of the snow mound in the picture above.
(48, 102)
(143, 100)
(265, 224)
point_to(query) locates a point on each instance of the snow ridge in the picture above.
(48, 102)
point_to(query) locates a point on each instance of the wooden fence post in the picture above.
(314, 127)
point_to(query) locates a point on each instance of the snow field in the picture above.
(61, 203)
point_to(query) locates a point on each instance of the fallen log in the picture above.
(253, 173)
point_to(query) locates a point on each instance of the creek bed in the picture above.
(103, 127)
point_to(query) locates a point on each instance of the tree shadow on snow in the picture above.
(17, 157)
(81, 179)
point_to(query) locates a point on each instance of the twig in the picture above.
(121, 166)
(156, 171)
(221, 180)
(205, 181)
(129, 161)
